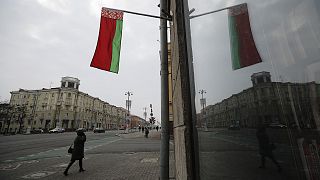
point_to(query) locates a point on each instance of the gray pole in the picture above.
(128, 116)
(145, 115)
(164, 149)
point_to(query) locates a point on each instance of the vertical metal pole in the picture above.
(164, 148)
(128, 115)
(129, 120)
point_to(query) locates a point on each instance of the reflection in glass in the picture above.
(281, 94)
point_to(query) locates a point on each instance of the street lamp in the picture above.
(203, 104)
(128, 105)
(145, 115)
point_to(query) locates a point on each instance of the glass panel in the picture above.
(261, 120)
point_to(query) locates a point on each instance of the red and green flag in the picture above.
(107, 54)
(243, 49)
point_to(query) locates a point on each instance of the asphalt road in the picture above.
(13, 148)
(107, 156)
(233, 154)
(225, 155)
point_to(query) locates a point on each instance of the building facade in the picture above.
(64, 106)
(266, 102)
(137, 121)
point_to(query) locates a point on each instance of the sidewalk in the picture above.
(153, 134)
(138, 165)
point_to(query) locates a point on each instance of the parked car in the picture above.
(57, 130)
(81, 129)
(99, 130)
(277, 125)
(234, 127)
(36, 131)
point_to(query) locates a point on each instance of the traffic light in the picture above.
(152, 120)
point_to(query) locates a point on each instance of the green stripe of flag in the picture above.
(116, 45)
(234, 40)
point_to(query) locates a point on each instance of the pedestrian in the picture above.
(146, 132)
(139, 128)
(266, 148)
(78, 151)
(142, 129)
(157, 128)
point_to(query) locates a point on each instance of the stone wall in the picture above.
(182, 101)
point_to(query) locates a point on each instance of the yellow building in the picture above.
(64, 106)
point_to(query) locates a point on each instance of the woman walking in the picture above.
(146, 132)
(78, 151)
(266, 148)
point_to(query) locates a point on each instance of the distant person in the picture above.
(146, 132)
(266, 148)
(157, 128)
(142, 129)
(139, 128)
(78, 151)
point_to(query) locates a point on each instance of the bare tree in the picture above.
(6, 112)
(21, 113)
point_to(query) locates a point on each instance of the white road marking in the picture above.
(61, 165)
(37, 175)
(149, 160)
(9, 167)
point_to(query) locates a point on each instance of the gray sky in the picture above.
(286, 33)
(43, 40)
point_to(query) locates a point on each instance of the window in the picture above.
(70, 84)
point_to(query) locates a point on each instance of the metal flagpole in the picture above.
(163, 16)
(164, 148)
(210, 12)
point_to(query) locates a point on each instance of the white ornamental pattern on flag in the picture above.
(112, 14)
(240, 9)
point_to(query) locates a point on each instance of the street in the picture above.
(224, 154)
(107, 156)
(233, 154)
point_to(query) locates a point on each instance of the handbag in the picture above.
(70, 150)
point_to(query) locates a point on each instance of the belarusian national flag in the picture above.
(107, 54)
(243, 49)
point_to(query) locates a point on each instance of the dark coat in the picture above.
(264, 143)
(78, 151)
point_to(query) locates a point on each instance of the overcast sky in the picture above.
(286, 33)
(44, 40)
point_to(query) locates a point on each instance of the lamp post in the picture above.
(118, 121)
(203, 104)
(145, 115)
(128, 105)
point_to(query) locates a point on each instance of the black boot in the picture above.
(80, 165)
(69, 165)
(65, 173)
